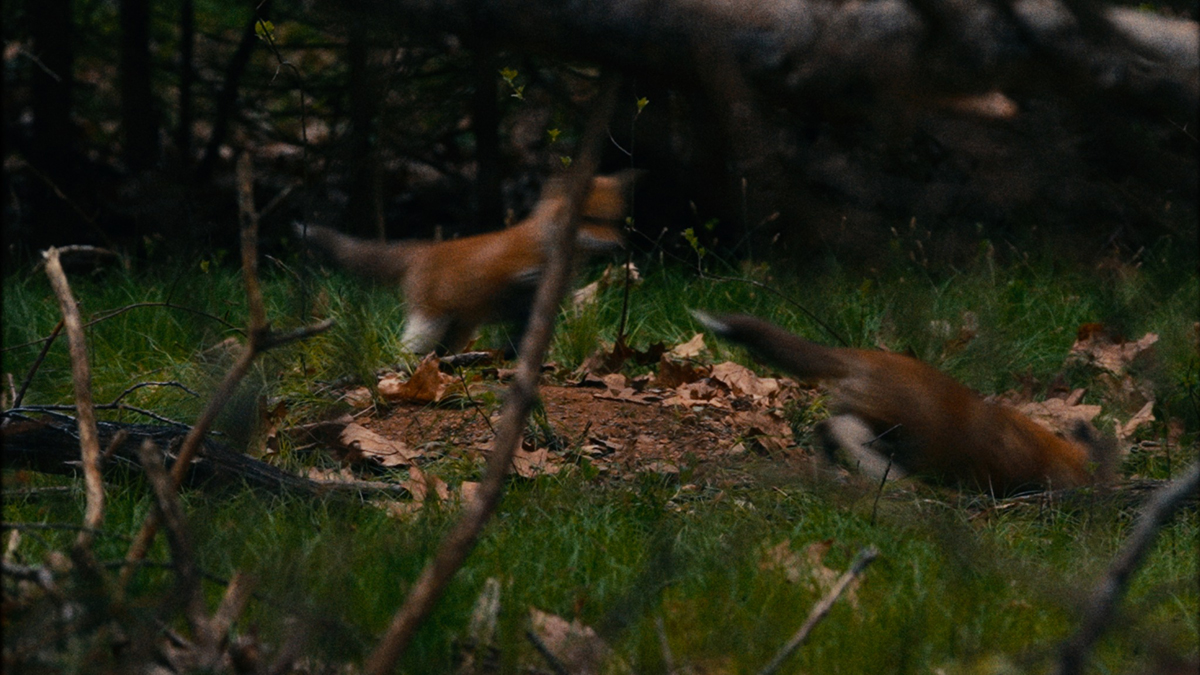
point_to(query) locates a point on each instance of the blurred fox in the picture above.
(453, 287)
(894, 415)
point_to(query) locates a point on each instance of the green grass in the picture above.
(959, 586)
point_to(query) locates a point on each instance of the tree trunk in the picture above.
(364, 212)
(187, 45)
(227, 98)
(53, 153)
(485, 122)
(138, 119)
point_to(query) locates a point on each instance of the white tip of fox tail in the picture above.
(711, 322)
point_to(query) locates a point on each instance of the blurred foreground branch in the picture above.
(458, 543)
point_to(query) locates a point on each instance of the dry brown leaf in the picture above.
(362, 444)
(422, 485)
(467, 491)
(673, 373)
(741, 380)
(1140, 418)
(1059, 414)
(533, 464)
(270, 418)
(807, 564)
(769, 430)
(1097, 348)
(697, 393)
(576, 646)
(587, 295)
(342, 475)
(690, 349)
(403, 510)
(361, 397)
(427, 384)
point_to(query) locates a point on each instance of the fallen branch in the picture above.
(521, 395)
(52, 447)
(865, 557)
(1109, 590)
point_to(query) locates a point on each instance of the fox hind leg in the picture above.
(423, 333)
(851, 441)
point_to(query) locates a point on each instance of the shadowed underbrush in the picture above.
(963, 583)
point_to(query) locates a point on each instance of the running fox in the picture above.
(452, 287)
(893, 412)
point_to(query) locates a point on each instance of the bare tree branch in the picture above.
(259, 339)
(81, 374)
(183, 558)
(1108, 591)
(865, 557)
(521, 395)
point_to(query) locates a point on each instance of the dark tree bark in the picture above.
(139, 121)
(53, 152)
(364, 212)
(485, 122)
(227, 99)
(53, 447)
(187, 46)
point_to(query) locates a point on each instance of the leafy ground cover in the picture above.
(704, 527)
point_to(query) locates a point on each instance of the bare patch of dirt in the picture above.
(619, 438)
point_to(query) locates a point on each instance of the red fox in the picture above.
(452, 287)
(893, 412)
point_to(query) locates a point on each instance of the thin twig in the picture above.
(58, 526)
(121, 310)
(81, 375)
(461, 539)
(865, 557)
(664, 645)
(61, 407)
(237, 594)
(1108, 591)
(259, 339)
(471, 400)
(139, 385)
(551, 659)
(182, 555)
(37, 363)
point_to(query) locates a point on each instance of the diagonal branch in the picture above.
(1108, 591)
(458, 543)
(81, 374)
(865, 557)
(260, 338)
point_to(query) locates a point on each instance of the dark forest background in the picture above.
(122, 121)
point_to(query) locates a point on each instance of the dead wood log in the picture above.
(53, 447)
(796, 53)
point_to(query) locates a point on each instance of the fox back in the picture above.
(895, 414)
(452, 287)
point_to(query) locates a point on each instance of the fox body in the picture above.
(894, 414)
(452, 287)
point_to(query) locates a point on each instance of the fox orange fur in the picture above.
(452, 287)
(893, 412)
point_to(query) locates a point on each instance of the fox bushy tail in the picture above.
(805, 359)
(371, 259)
